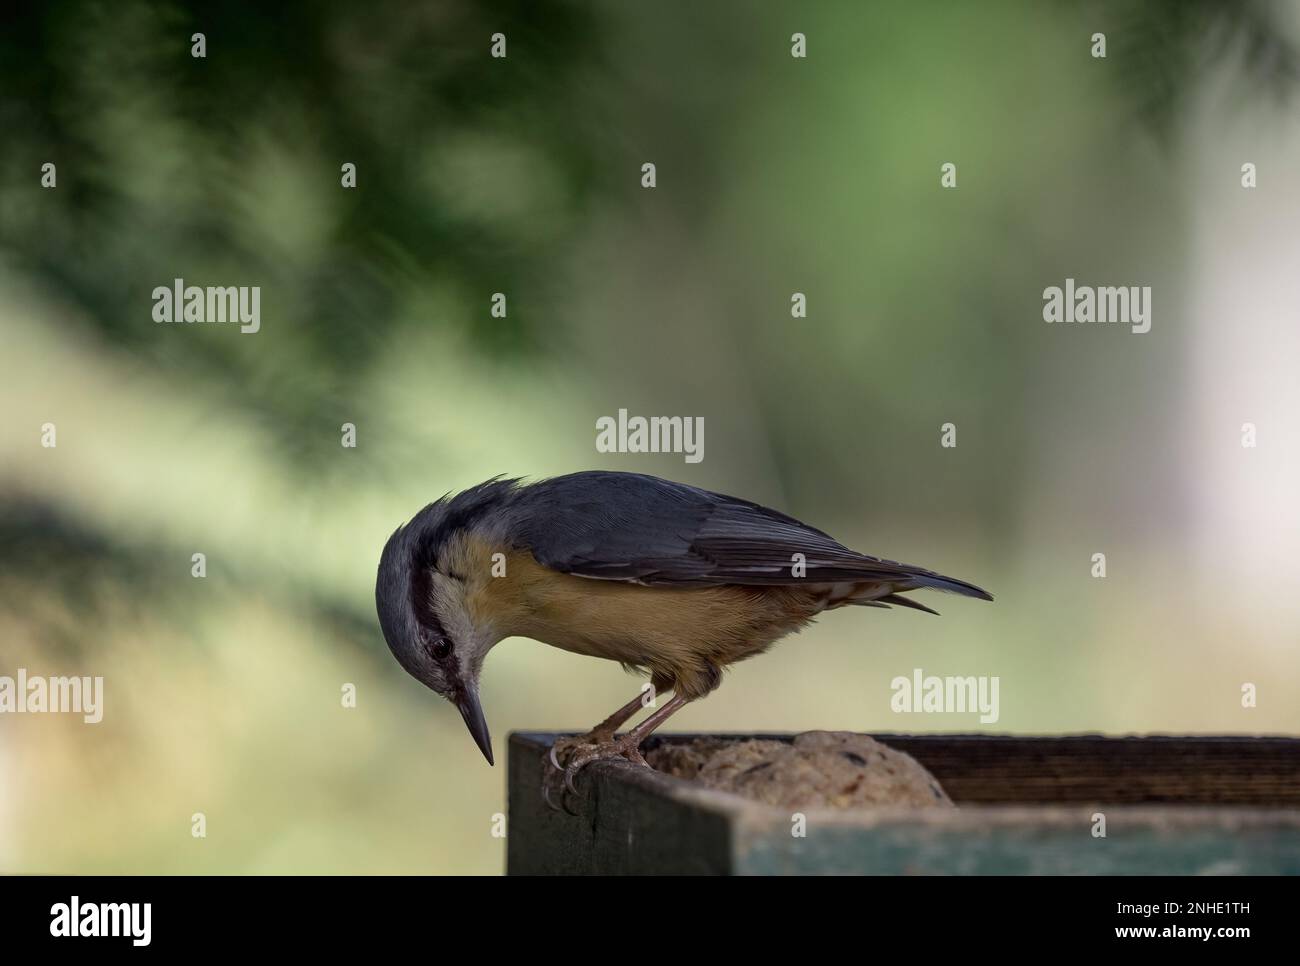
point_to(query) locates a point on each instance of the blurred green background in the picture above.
(478, 175)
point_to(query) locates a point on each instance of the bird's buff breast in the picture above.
(676, 633)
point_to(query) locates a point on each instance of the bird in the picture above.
(667, 579)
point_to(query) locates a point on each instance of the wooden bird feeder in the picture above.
(1025, 805)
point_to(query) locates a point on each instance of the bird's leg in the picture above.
(601, 733)
(601, 743)
(628, 746)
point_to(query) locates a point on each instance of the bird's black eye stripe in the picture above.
(439, 648)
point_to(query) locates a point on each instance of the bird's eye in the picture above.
(439, 648)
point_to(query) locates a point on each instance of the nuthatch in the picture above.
(662, 577)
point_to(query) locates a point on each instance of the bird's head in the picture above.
(425, 612)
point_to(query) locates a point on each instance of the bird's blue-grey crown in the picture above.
(395, 596)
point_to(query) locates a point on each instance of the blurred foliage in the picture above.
(228, 168)
(1161, 47)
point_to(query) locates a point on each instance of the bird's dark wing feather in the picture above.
(630, 527)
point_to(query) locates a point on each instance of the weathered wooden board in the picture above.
(1165, 769)
(1172, 805)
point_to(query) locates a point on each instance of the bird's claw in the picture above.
(550, 803)
(569, 775)
(553, 780)
(581, 752)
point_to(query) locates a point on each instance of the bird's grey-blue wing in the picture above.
(630, 527)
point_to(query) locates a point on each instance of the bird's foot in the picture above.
(562, 749)
(568, 756)
(554, 791)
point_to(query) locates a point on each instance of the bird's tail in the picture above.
(949, 584)
(887, 594)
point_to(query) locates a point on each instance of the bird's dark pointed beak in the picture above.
(472, 712)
